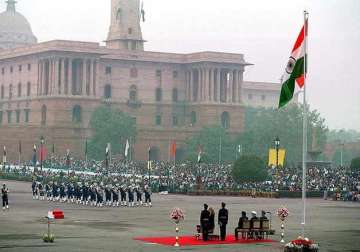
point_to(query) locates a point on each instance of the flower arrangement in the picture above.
(177, 215)
(283, 213)
(301, 244)
(48, 238)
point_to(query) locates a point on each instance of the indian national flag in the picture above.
(294, 77)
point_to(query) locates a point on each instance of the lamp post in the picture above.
(277, 146)
(42, 140)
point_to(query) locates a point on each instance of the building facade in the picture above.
(50, 89)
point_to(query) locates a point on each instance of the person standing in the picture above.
(223, 217)
(5, 197)
(205, 222)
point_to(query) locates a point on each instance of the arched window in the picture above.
(76, 114)
(119, 15)
(193, 118)
(43, 115)
(175, 96)
(158, 94)
(133, 93)
(2, 92)
(133, 70)
(19, 90)
(225, 120)
(10, 91)
(28, 89)
(107, 91)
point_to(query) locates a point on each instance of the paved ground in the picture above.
(335, 225)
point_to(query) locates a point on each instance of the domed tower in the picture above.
(125, 31)
(15, 30)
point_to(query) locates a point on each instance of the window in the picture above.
(130, 30)
(29, 67)
(9, 116)
(133, 45)
(175, 121)
(225, 120)
(19, 90)
(263, 97)
(158, 120)
(17, 116)
(158, 73)
(108, 70)
(28, 89)
(3, 70)
(20, 68)
(250, 96)
(76, 114)
(158, 94)
(133, 72)
(27, 115)
(119, 15)
(43, 115)
(11, 69)
(107, 91)
(175, 74)
(10, 91)
(1, 117)
(133, 93)
(193, 118)
(133, 119)
(175, 95)
(2, 92)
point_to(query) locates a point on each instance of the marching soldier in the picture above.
(115, 195)
(138, 196)
(123, 196)
(5, 197)
(107, 195)
(131, 196)
(34, 189)
(147, 196)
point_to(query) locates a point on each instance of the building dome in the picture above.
(15, 30)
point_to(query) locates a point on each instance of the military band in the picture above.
(94, 194)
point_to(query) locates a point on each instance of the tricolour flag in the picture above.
(34, 157)
(294, 76)
(173, 148)
(127, 147)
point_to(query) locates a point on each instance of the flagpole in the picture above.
(304, 154)
(20, 154)
(220, 149)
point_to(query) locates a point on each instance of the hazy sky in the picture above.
(263, 30)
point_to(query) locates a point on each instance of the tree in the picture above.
(249, 169)
(109, 125)
(208, 139)
(346, 157)
(355, 164)
(263, 125)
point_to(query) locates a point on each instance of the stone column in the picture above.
(206, 84)
(40, 77)
(69, 82)
(84, 77)
(91, 79)
(56, 76)
(235, 86)
(229, 87)
(96, 71)
(218, 85)
(191, 85)
(240, 83)
(210, 84)
(63, 75)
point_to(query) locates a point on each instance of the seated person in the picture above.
(263, 218)
(240, 225)
(252, 220)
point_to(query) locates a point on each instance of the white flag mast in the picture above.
(305, 119)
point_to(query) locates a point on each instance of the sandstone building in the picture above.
(51, 88)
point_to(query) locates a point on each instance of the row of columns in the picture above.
(67, 76)
(220, 85)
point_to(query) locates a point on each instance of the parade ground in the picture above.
(334, 225)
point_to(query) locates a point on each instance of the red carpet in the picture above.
(191, 241)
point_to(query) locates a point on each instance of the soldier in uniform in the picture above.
(34, 189)
(107, 195)
(54, 191)
(147, 196)
(115, 195)
(41, 191)
(223, 217)
(99, 196)
(123, 196)
(62, 192)
(131, 196)
(85, 193)
(48, 191)
(205, 222)
(138, 196)
(93, 195)
(5, 197)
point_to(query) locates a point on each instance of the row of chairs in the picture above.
(258, 230)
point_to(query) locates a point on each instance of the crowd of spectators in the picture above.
(187, 176)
